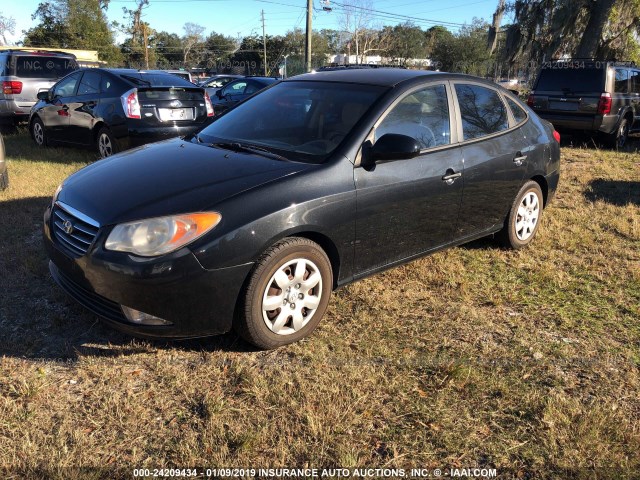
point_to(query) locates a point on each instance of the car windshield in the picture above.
(33, 66)
(572, 80)
(301, 121)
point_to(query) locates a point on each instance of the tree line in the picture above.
(541, 30)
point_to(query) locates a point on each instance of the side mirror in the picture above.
(44, 95)
(219, 94)
(393, 146)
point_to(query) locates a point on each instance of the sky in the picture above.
(239, 18)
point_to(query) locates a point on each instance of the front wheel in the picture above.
(524, 217)
(287, 294)
(37, 132)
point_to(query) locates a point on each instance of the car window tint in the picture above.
(32, 66)
(67, 86)
(635, 81)
(89, 83)
(482, 111)
(423, 115)
(106, 84)
(518, 113)
(252, 88)
(622, 80)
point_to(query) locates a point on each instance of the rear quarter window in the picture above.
(482, 111)
(622, 81)
(518, 112)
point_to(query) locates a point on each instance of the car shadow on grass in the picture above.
(615, 192)
(39, 321)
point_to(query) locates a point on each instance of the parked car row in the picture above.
(320, 180)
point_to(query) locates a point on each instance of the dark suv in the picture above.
(590, 96)
(115, 109)
(25, 73)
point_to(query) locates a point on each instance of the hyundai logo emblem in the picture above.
(67, 226)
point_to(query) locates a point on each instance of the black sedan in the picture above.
(115, 109)
(236, 91)
(318, 181)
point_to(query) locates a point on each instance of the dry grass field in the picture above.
(527, 362)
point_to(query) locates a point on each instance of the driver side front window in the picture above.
(66, 87)
(422, 115)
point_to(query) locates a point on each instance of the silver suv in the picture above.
(23, 74)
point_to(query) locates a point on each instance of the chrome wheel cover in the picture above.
(527, 217)
(292, 296)
(104, 145)
(38, 133)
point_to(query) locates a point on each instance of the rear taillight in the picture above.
(207, 102)
(130, 104)
(531, 100)
(11, 88)
(556, 136)
(604, 105)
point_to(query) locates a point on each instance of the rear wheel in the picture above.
(618, 139)
(106, 143)
(524, 217)
(287, 294)
(37, 132)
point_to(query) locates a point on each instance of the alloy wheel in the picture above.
(527, 216)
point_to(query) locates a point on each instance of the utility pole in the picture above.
(264, 43)
(307, 51)
(146, 45)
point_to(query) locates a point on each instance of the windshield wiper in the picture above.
(247, 148)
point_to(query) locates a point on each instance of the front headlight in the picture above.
(55, 195)
(157, 236)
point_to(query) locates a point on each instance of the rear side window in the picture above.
(90, 83)
(33, 66)
(3, 65)
(572, 80)
(635, 81)
(518, 113)
(482, 111)
(622, 80)
(423, 115)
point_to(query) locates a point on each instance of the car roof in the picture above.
(387, 77)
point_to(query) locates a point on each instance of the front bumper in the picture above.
(174, 287)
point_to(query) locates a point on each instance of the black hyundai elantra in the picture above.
(317, 181)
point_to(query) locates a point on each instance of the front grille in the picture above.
(73, 230)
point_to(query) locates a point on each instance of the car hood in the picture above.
(166, 178)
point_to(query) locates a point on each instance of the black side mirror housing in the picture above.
(394, 146)
(43, 95)
(219, 94)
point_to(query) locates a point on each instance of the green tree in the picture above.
(218, 49)
(168, 50)
(406, 42)
(77, 24)
(464, 52)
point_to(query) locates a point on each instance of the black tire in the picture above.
(38, 133)
(106, 144)
(251, 320)
(4, 180)
(519, 231)
(618, 139)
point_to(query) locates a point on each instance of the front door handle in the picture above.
(519, 159)
(451, 176)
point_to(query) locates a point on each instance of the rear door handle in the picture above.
(519, 159)
(450, 177)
